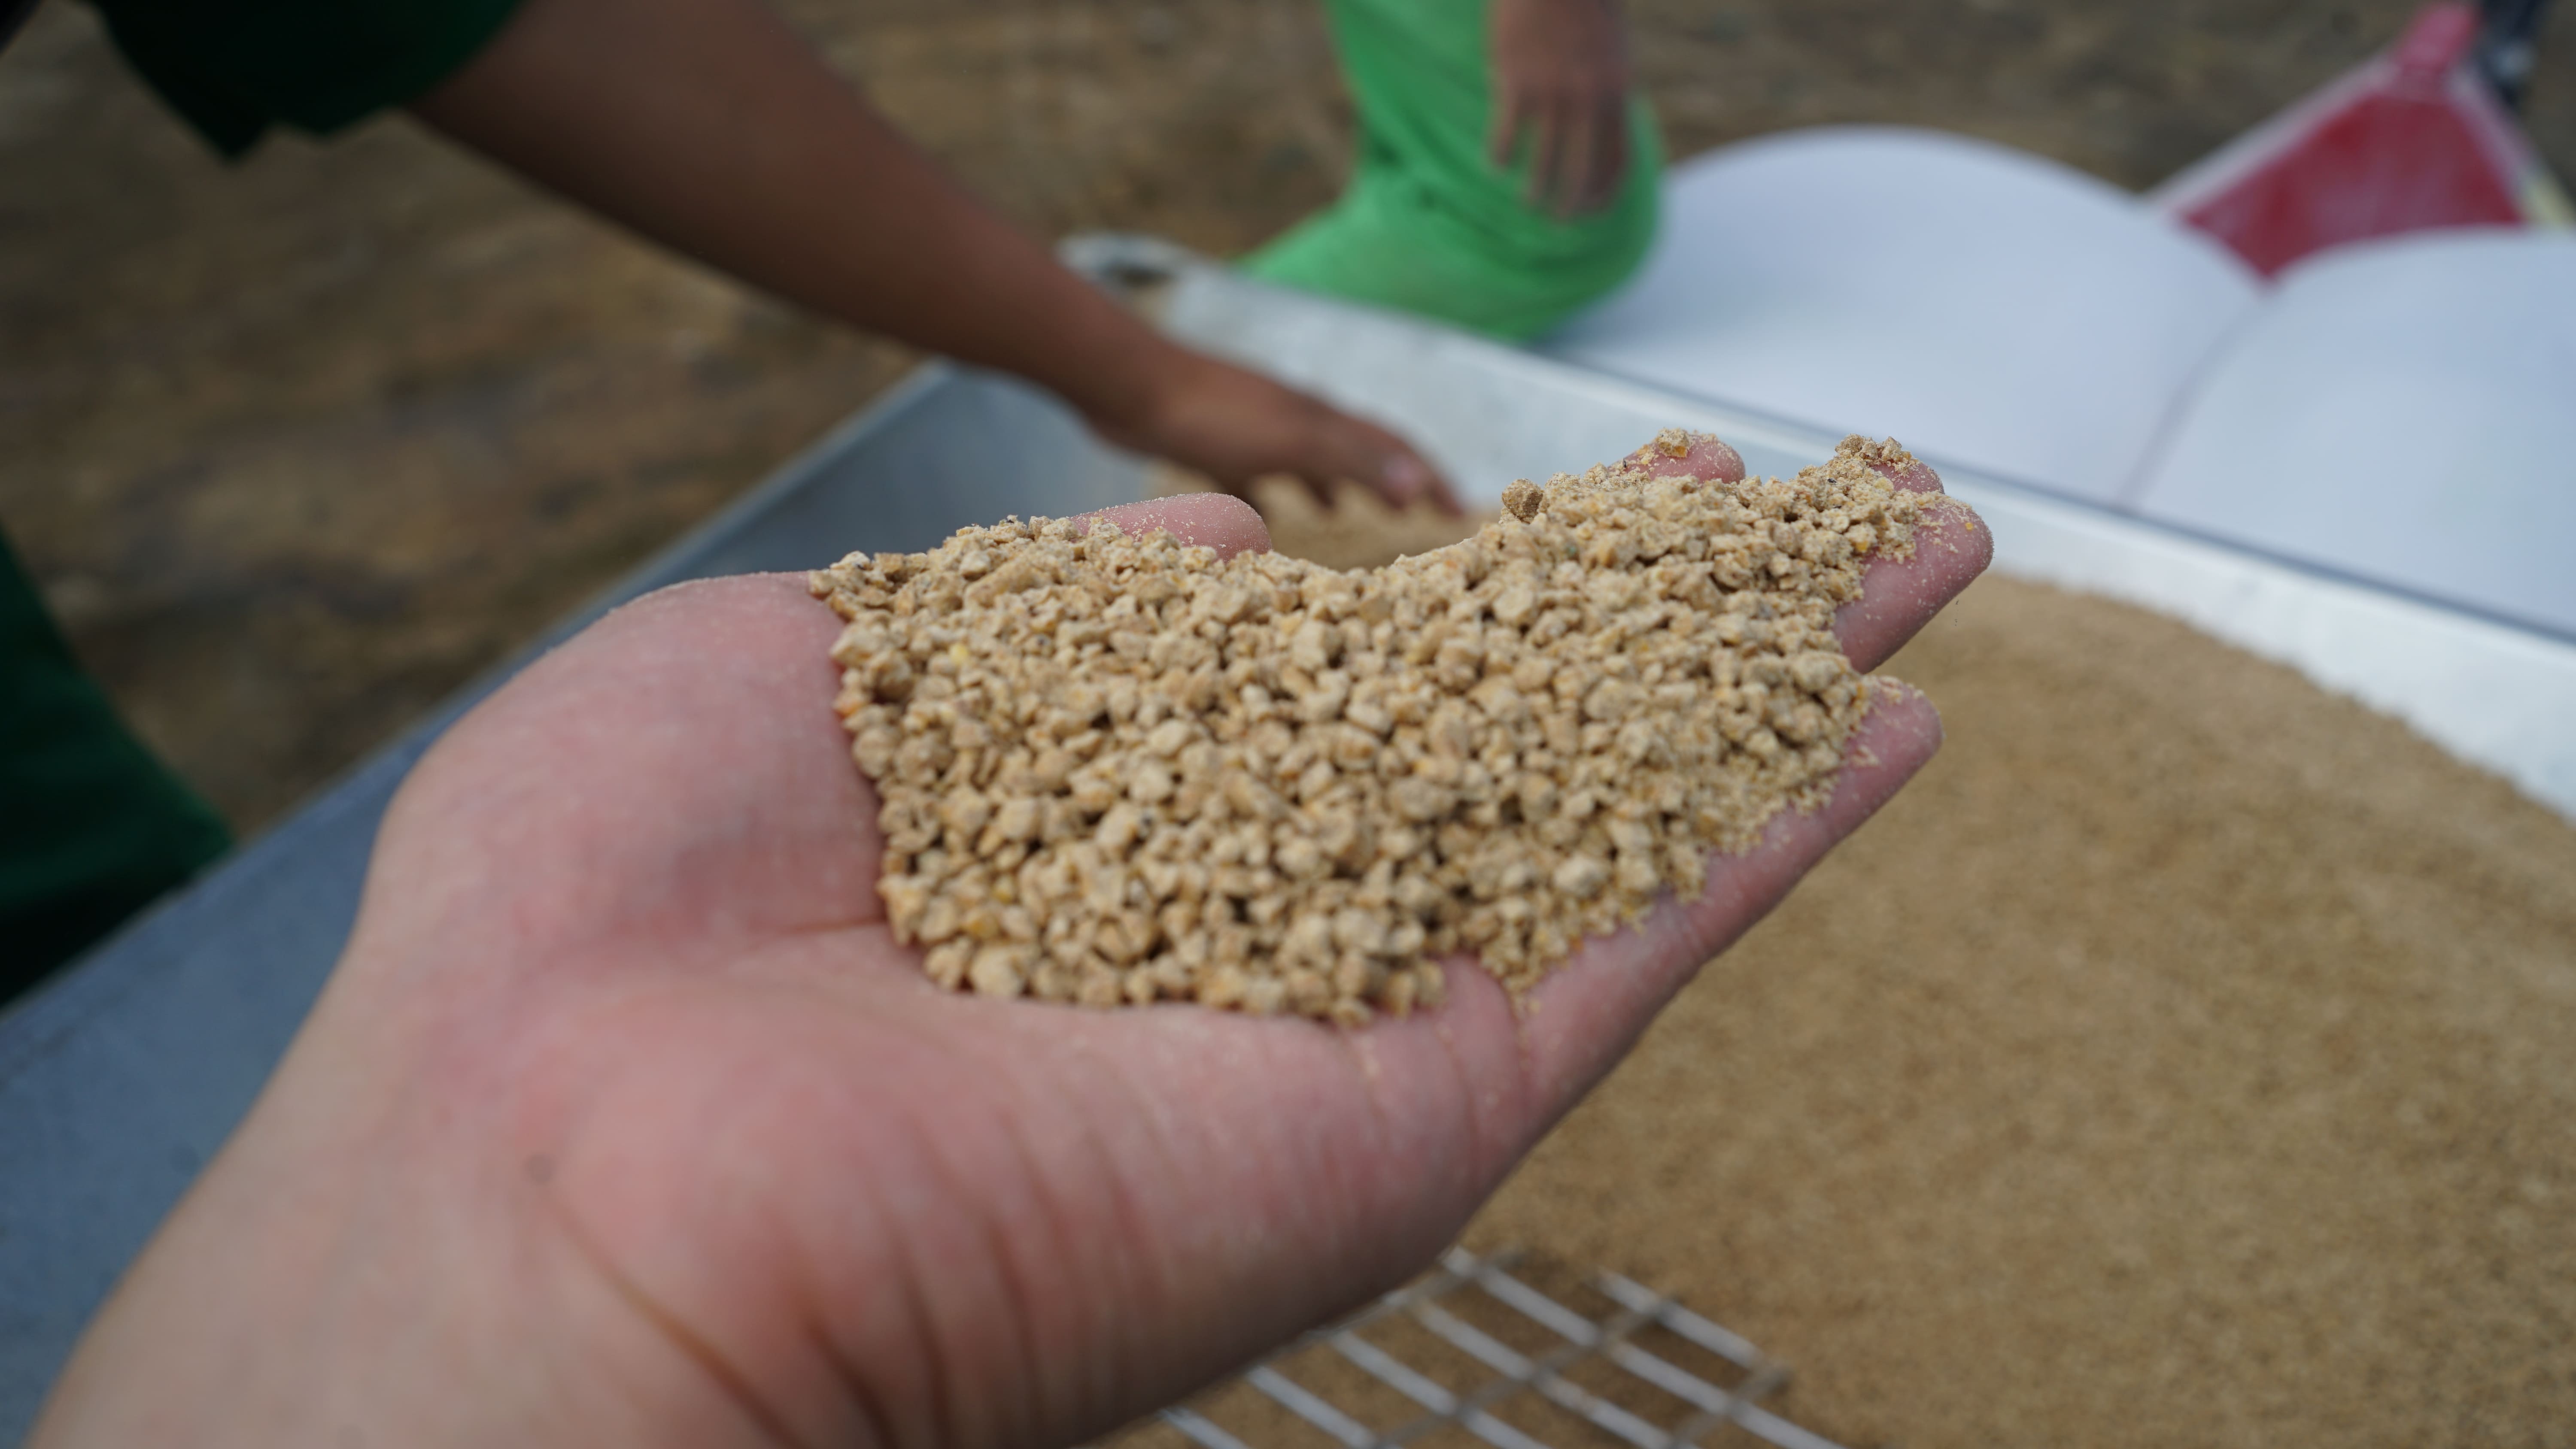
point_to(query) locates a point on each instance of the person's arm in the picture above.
(1561, 82)
(710, 126)
(625, 1120)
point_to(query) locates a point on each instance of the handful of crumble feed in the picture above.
(1116, 768)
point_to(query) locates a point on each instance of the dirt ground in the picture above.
(296, 446)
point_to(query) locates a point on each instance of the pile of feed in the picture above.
(1118, 768)
(2180, 1059)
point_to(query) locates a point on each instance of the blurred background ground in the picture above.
(297, 445)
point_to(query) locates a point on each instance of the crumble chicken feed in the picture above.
(1116, 768)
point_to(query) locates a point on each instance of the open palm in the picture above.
(626, 1120)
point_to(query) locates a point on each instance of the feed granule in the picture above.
(1116, 768)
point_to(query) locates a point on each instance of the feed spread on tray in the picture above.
(1117, 768)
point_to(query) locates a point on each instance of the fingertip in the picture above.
(1952, 546)
(1915, 476)
(1956, 529)
(1898, 734)
(1219, 521)
(1900, 730)
(1704, 456)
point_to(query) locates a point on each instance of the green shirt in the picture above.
(92, 828)
(234, 68)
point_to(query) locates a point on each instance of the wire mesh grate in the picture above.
(1508, 1351)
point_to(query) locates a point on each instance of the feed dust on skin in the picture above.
(1117, 769)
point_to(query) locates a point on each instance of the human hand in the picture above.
(1561, 79)
(625, 1120)
(712, 126)
(1236, 426)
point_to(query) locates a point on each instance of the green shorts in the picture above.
(1430, 224)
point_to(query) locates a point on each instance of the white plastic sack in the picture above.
(1980, 305)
